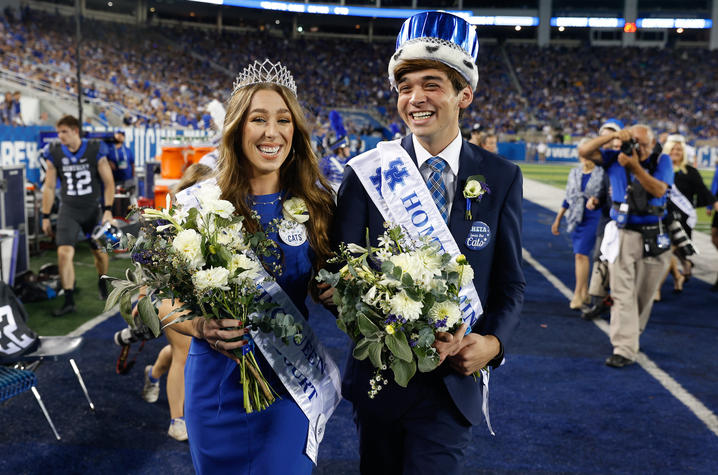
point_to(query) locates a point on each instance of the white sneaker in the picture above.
(178, 430)
(150, 391)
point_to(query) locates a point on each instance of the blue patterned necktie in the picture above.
(436, 185)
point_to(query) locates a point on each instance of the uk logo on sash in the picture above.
(479, 236)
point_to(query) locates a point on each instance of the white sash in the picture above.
(306, 369)
(684, 204)
(395, 185)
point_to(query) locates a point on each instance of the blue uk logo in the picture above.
(376, 179)
(395, 174)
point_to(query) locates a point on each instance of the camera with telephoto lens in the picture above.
(129, 335)
(629, 146)
(679, 238)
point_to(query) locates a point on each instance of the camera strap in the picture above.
(123, 366)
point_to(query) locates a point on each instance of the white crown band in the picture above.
(265, 72)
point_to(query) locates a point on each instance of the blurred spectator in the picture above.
(122, 161)
(489, 141)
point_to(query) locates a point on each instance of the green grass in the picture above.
(557, 175)
(87, 299)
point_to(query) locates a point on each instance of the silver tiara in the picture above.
(266, 71)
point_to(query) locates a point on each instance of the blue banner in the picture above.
(22, 145)
(561, 153)
(512, 150)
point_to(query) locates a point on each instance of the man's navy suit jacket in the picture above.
(498, 276)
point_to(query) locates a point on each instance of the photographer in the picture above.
(636, 240)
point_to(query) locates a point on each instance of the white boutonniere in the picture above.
(474, 189)
(295, 209)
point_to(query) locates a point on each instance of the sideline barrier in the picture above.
(21, 145)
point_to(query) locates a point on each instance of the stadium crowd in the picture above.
(569, 89)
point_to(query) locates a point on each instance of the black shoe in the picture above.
(102, 285)
(618, 361)
(594, 311)
(65, 309)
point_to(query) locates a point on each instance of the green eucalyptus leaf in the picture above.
(361, 350)
(126, 307)
(403, 371)
(375, 348)
(148, 315)
(399, 347)
(113, 298)
(366, 327)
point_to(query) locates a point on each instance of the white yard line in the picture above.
(691, 402)
(90, 324)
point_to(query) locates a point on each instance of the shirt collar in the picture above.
(450, 154)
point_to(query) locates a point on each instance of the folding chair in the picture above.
(52, 348)
(14, 381)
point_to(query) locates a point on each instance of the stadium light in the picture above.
(587, 22)
(629, 27)
(327, 9)
(668, 23)
(503, 20)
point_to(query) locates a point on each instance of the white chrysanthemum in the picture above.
(207, 191)
(236, 236)
(213, 278)
(430, 261)
(410, 264)
(296, 210)
(467, 273)
(403, 305)
(188, 244)
(250, 268)
(224, 238)
(445, 310)
(222, 208)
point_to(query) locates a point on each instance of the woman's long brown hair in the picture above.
(299, 175)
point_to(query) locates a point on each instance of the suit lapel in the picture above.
(408, 144)
(469, 164)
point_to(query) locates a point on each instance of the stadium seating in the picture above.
(164, 76)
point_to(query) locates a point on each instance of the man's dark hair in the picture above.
(413, 65)
(68, 121)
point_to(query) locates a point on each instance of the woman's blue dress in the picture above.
(584, 236)
(223, 437)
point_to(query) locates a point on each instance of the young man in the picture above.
(82, 168)
(426, 427)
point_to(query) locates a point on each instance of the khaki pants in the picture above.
(634, 281)
(598, 285)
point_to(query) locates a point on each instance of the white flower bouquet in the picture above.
(394, 298)
(203, 258)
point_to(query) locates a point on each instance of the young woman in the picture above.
(265, 158)
(585, 190)
(689, 183)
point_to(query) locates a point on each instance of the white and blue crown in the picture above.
(439, 36)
